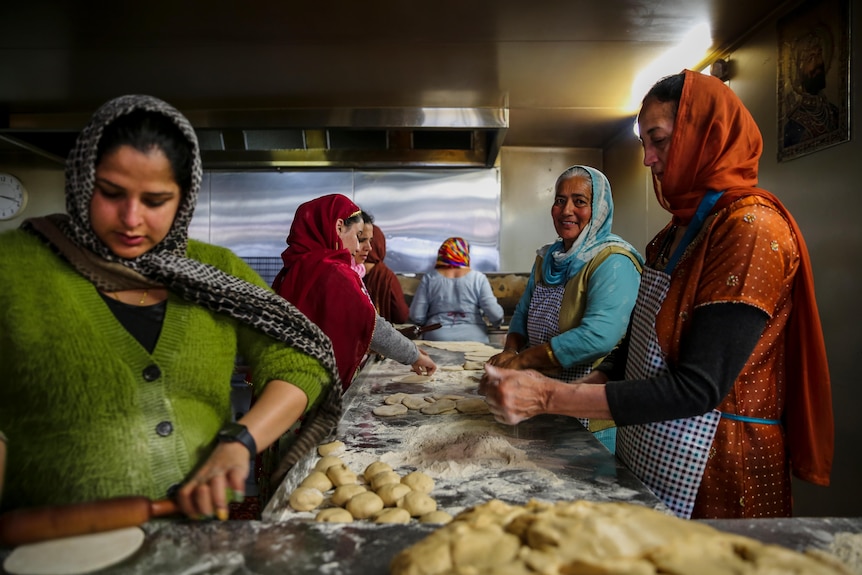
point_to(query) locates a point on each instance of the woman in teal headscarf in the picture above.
(581, 291)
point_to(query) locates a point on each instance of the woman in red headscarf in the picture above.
(722, 387)
(318, 279)
(382, 284)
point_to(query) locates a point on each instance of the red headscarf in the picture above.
(318, 280)
(716, 145)
(383, 286)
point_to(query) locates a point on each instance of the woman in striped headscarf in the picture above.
(456, 297)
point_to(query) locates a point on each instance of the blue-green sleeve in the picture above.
(518, 323)
(611, 294)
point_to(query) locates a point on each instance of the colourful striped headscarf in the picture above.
(454, 253)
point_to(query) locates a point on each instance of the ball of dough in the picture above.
(334, 515)
(416, 401)
(389, 410)
(392, 492)
(341, 475)
(305, 498)
(326, 462)
(344, 493)
(375, 468)
(472, 405)
(384, 477)
(392, 515)
(318, 480)
(417, 503)
(435, 517)
(438, 407)
(418, 481)
(364, 505)
(395, 398)
(330, 448)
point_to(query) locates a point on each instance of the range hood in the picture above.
(366, 138)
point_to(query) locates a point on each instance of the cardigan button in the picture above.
(172, 490)
(165, 428)
(152, 372)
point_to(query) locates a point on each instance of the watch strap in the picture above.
(239, 433)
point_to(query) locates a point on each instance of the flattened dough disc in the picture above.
(72, 555)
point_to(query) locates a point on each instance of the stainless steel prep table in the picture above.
(560, 460)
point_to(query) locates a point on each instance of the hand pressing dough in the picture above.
(438, 407)
(375, 468)
(418, 481)
(341, 475)
(326, 462)
(305, 498)
(389, 410)
(392, 515)
(334, 515)
(435, 517)
(395, 398)
(330, 448)
(364, 505)
(384, 478)
(472, 405)
(72, 555)
(417, 503)
(317, 480)
(415, 401)
(345, 493)
(391, 493)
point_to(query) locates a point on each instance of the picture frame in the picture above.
(813, 78)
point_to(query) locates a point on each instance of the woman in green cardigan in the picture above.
(118, 334)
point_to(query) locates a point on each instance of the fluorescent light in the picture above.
(691, 50)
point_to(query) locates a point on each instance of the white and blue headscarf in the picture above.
(564, 264)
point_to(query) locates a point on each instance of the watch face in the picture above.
(13, 196)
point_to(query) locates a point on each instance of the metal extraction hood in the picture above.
(366, 138)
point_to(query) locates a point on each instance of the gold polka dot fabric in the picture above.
(748, 474)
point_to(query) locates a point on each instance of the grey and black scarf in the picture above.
(166, 265)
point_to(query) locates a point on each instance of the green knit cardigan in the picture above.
(84, 416)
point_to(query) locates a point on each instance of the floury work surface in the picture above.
(471, 458)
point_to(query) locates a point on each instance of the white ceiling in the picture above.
(563, 68)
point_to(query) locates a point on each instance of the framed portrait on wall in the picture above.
(813, 78)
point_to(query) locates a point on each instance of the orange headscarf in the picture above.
(716, 145)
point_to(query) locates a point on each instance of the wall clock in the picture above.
(13, 196)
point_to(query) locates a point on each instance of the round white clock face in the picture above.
(13, 196)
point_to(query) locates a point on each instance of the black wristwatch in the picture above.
(237, 432)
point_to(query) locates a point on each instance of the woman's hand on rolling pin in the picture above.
(220, 480)
(514, 395)
(424, 365)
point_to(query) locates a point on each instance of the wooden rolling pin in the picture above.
(22, 526)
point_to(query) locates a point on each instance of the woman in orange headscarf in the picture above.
(721, 388)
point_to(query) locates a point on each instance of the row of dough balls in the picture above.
(430, 404)
(386, 497)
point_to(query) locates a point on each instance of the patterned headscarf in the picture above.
(565, 264)
(453, 253)
(166, 264)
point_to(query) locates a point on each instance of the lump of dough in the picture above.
(375, 468)
(438, 407)
(389, 410)
(416, 401)
(305, 498)
(330, 448)
(416, 378)
(344, 493)
(473, 365)
(418, 481)
(417, 503)
(334, 515)
(435, 517)
(364, 505)
(341, 475)
(318, 480)
(472, 405)
(384, 477)
(326, 462)
(392, 515)
(392, 492)
(395, 398)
